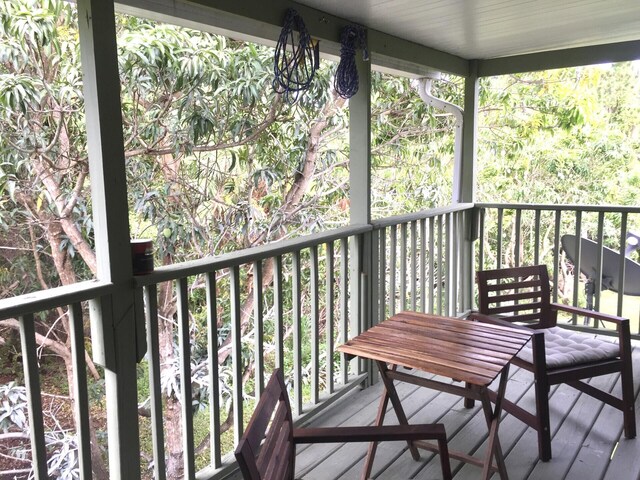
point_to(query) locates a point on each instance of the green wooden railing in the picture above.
(304, 296)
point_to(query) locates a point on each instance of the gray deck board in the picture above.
(585, 434)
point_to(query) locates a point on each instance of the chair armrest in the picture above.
(590, 313)
(434, 431)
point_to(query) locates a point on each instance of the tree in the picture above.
(565, 136)
(217, 161)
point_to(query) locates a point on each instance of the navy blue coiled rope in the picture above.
(295, 63)
(346, 78)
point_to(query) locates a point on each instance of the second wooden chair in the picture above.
(556, 355)
(267, 448)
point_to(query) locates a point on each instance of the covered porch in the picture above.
(355, 275)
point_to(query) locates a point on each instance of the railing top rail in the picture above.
(410, 217)
(53, 298)
(577, 208)
(248, 255)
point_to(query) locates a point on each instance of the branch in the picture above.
(36, 257)
(56, 347)
(14, 436)
(266, 123)
(53, 188)
(75, 194)
(14, 472)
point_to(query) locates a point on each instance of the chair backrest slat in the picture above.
(270, 445)
(274, 458)
(278, 464)
(520, 294)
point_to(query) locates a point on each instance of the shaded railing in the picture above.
(309, 294)
(288, 304)
(290, 289)
(512, 235)
(423, 262)
(73, 302)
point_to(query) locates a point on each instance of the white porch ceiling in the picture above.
(483, 29)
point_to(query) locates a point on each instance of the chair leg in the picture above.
(628, 402)
(626, 377)
(444, 459)
(541, 384)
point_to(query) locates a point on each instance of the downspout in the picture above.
(453, 269)
(424, 90)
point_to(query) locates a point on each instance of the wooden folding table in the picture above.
(465, 351)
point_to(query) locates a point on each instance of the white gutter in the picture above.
(424, 90)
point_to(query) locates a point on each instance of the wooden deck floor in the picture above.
(588, 443)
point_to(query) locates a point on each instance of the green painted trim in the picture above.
(250, 20)
(573, 57)
(360, 147)
(468, 166)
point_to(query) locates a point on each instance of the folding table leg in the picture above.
(492, 416)
(389, 393)
(395, 402)
(373, 446)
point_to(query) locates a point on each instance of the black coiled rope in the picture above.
(295, 63)
(346, 79)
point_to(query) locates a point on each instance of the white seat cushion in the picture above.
(565, 348)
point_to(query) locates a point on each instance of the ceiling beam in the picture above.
(252, 20)
(572, 57)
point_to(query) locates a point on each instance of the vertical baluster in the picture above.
(258, 321)
(483, 216)
(576, 263)
(329, 317)
(622, 264)
(153, 354)
(517, 248)
(432, 265)
(392, 269)
(597, 281)
(414, 264)
(383, 274)
(32, 382)
(278, 301)
(373, 306)
(184, 339)
(315, 327)
(448, 270)
(236, 352)
(344, 307)
(297, 334)
(357, 287)
(441, 266)
(499, 239)
(536, 241)
(423, 265)
(458, 230)
(214, 378)
(81, 401)
(375, 279)
(403, 267)
(556, 252)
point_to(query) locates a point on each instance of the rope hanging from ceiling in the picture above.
(295, 62)
(346, 78)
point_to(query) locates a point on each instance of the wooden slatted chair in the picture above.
(267, 448)
(555, 355)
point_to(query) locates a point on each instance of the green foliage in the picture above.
(561, 136)
(558, 137)
(411, 145)
(13, 407)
